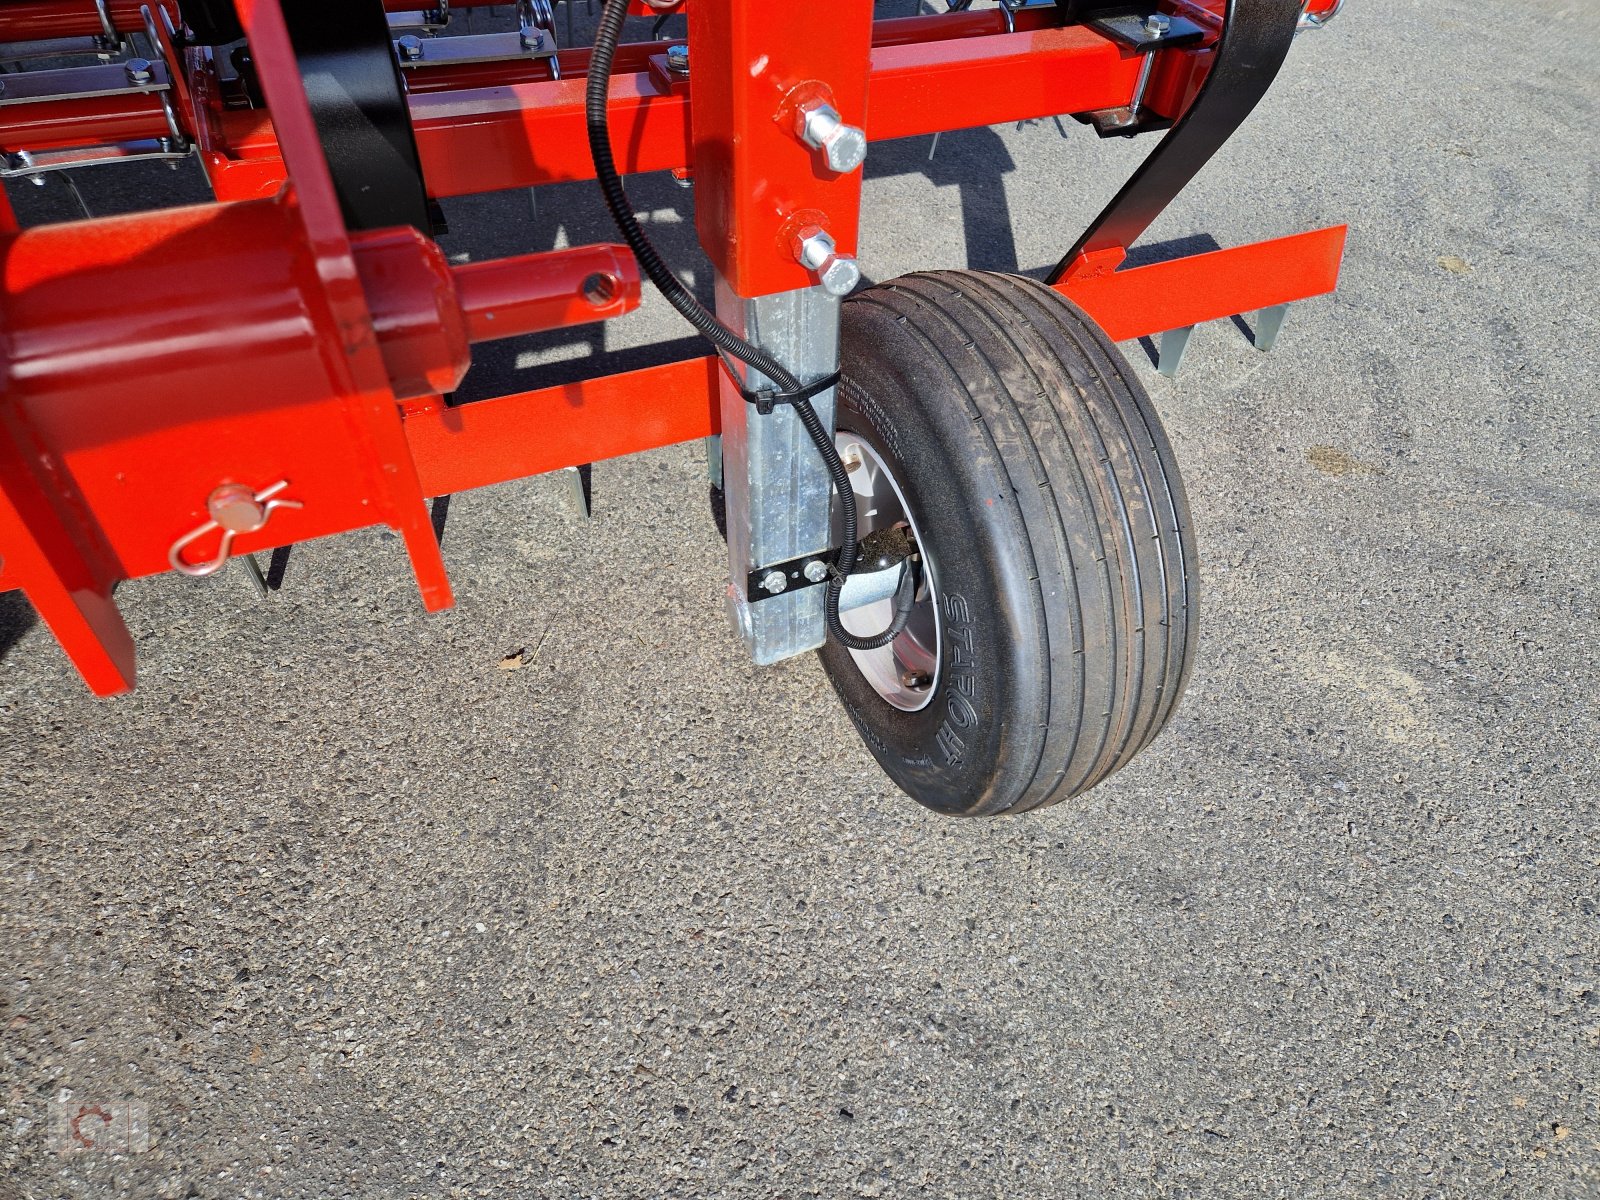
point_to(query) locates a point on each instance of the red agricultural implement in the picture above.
(951, 483)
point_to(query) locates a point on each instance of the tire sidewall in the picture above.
(960, 752)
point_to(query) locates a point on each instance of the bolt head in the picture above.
(845, 149)
(843, 146)
(774, 582)
(138, 69)
(410, 47)
(678, 59)
(840, 275)
(1157, 23)
(816, 570)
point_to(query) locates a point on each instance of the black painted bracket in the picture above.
(1255, 40)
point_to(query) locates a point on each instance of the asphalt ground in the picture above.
(350, 909)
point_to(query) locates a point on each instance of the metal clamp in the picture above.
(235, 508)
(180, 140)
(112, 39)
(536, 20)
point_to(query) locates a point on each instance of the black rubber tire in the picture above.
(1051, 509)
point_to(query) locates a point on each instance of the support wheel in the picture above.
(1055, 623)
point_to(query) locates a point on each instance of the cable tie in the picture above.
(767, 398)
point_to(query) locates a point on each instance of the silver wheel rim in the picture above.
(906, 671)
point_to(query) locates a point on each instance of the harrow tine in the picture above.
(258, 577)
(1269, 323)
(1173, 344)
(72, 186)
(580, 481)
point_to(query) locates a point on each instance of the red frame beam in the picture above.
(508, 131)
(523, 135)
(493, 441)
(1148, 300)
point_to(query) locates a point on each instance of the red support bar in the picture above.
(756, 69)
(67, 124)
(1207, 287)
(483, 140)
(934, 86)
(504, 133)
(509, 297)
(68, 571)
(495, 441)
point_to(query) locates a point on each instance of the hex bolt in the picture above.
(678, 59)
(816, 570)
(821, 127)
(774, 581)
(836, 272)
(1157, 24)
(410, 48)
(138, 70)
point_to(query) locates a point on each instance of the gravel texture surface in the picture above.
(351, 908)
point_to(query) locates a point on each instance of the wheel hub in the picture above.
(906, 671)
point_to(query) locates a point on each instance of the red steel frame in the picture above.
(277, 346)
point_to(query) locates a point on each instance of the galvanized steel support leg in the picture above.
(778, 496)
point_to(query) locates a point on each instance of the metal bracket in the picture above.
(1255, 40)
(26, 164)
(82, 83)
(467, 48)
(1149, 32)
(808, 570)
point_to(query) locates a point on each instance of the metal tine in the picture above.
(72, 186)
(258, 577)
(580, 482)
(1174, 342)
(1269, 324)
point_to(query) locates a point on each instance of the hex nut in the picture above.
(838, 273)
